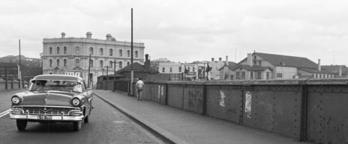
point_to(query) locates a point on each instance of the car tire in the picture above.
(21, 124)
(86, 119)
(77, 125)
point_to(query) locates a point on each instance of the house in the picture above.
(226, 72)
(265, 66)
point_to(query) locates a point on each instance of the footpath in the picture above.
(186, 127)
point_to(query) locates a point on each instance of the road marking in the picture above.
(5, 113)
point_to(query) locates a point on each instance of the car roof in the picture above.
(58, 77)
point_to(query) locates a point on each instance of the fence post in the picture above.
(166, 95)
(304, 113)
(204, 110)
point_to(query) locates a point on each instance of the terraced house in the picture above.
(71, 55)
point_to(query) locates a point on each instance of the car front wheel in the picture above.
(77, 125)
(21, 124)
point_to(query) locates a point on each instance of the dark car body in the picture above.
(53, 98)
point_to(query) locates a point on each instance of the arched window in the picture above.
(91, 50)
(77, 50)
(101, 51)
(110, 52)
(50, 50)
(77, 62)
(110, 64)
(163, 69)
(180, 69)
(51, 62)
(65, 50)
(128, 53)
(65, 62)
(170, 69)
(91, 63)
(120, 64)
(58, 49)
(128, 63)
(101, 63)
(58, 62)
(136, 54)
(120, 51)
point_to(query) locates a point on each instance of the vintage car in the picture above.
(53, 98)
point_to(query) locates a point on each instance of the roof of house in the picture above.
(250, 68)
(284, 60)
(230, 65)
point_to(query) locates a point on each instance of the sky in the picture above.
(185, 30)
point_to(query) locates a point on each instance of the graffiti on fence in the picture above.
(247, 108)
(222, 99)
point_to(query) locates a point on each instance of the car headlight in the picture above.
(75, 102)
(15, 100)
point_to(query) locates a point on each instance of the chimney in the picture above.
(220, 59)
(63, 35)
(108, 37)
(340, 71)
(212, 59)
(319, 66)
(226, 60)
(89, 35)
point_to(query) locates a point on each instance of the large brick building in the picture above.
(71, 55)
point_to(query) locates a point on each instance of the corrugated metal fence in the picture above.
(305, 110)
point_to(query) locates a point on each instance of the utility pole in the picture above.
(89, 70)
(19, 64)
(132, 71)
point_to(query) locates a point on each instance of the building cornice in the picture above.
(91, 41)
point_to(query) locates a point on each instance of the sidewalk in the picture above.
(190, 127)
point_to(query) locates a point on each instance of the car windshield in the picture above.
(44, 85)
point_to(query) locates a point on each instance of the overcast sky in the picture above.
(185, 30)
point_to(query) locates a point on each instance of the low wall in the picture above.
(306, 110)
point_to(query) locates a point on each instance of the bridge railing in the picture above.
(306, 110)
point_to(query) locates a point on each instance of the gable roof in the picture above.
(230, 65)
(250, 68)
(284, 60)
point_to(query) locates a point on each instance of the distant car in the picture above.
(53, 98)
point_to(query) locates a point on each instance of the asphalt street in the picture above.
(106, 126)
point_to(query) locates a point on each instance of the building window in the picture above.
(128, 53)
(251, 75)
(180, 69)
(163, 69)
(170, 69)
(136, 54)
(101, 63)
(50, 62)
(58, 49)
(58, 62)
(279, 75)
(91, 51)
(193, 69)
(120, 64)
(101, 51)
(77, 50)
(50, 50)
(64, 61)
(110, 52)
(65, 50)
(237, 75)
(243, 75)
(91, 63)
(77, 62)
(128, 63)
(267, 75)
(258, 75)
(110, 64)
(120, 51)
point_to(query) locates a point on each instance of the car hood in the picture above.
(48, 98)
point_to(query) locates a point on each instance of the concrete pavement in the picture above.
(187, 127)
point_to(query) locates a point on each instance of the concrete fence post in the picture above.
(204, 101)
(304, 113)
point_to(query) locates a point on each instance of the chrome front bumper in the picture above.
(46, 117)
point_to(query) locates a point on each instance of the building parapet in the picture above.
(92, 41)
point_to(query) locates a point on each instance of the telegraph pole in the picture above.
(19, 64)
(89, 70)
(132, 71)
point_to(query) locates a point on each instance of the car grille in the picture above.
(47, 110)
